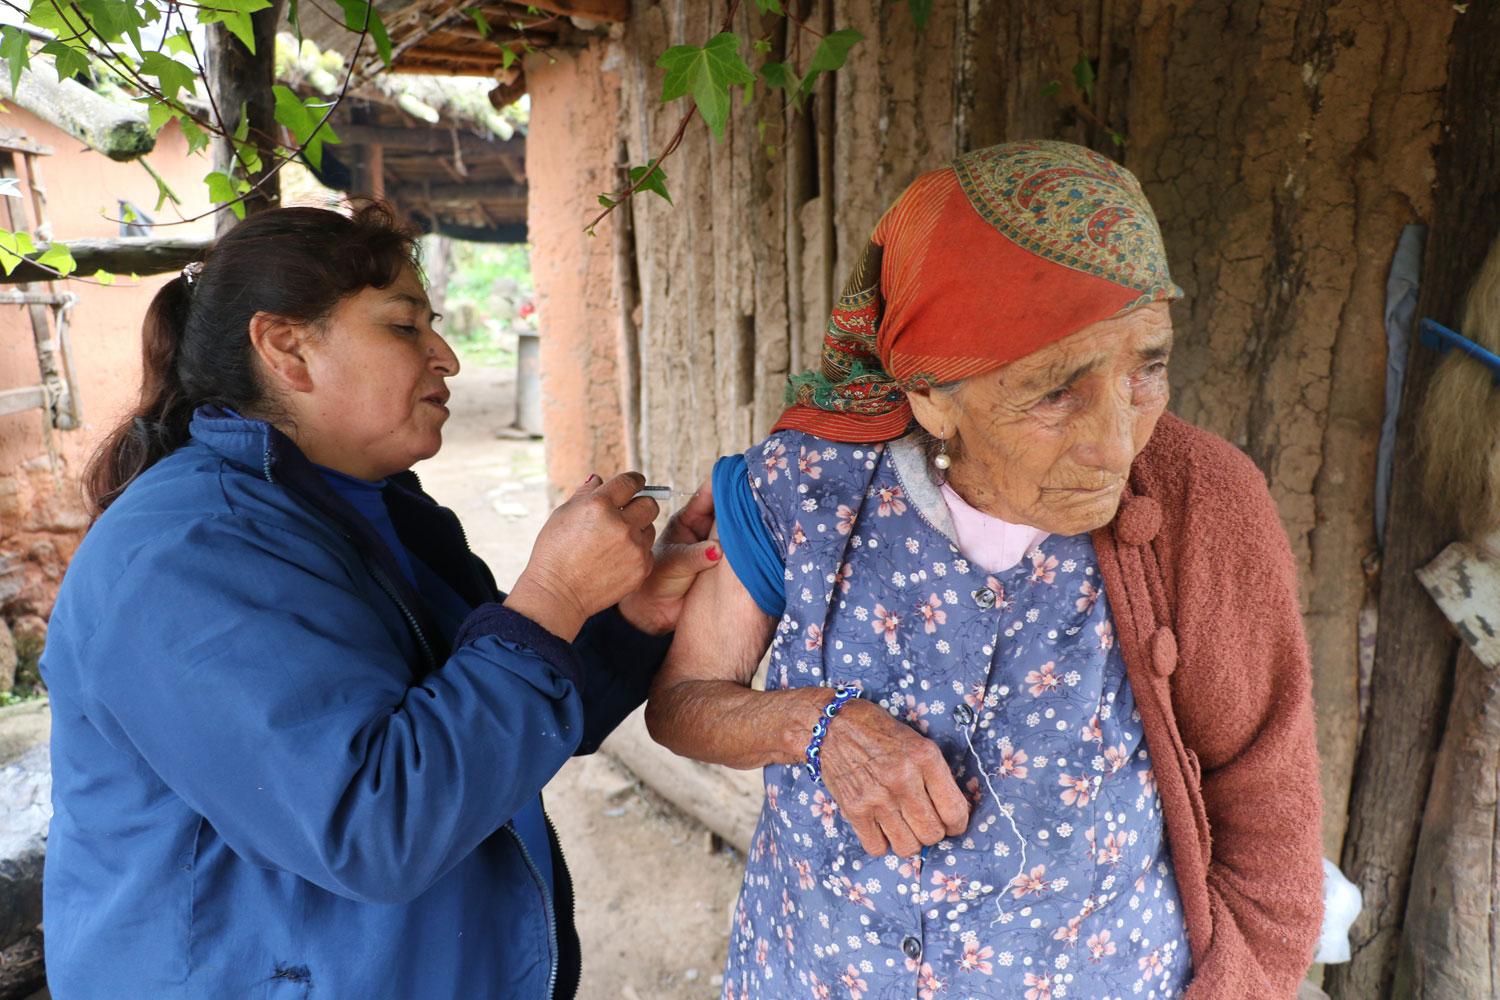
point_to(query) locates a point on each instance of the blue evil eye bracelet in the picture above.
(842, 695)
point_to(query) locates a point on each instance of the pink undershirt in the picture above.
(994, 545)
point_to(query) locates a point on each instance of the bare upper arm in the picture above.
(721, 635)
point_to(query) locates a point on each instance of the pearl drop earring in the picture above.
(942, 460)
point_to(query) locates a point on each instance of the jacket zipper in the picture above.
(563, 859)
(536, 875)
(411, 619)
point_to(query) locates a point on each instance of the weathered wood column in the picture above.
(238, 77)
(1414, 654)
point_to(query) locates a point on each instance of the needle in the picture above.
(660, 493)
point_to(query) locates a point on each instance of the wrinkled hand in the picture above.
(593, 550)
(890, 782)
(683, 552)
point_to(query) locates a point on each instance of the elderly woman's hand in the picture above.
(890, 782)
(593, 550)
(683, 552)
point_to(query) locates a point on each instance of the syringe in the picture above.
(660, 493)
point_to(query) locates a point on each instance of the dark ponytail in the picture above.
(298, 263)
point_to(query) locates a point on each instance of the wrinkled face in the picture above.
(377, 403)
(1048, 440)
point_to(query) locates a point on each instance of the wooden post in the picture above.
(1450, 948)
(375, 170)
(241, 78)
(1414, 652)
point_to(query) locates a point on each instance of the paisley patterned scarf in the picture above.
(977, 265)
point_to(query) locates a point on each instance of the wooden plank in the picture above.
(21, 400)
(1464, 580)
(430, 139)
(463, 191)
(121, 255)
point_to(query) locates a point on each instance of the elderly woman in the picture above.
(1037, 720)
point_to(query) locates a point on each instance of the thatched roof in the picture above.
(445, 37)
(446, 157)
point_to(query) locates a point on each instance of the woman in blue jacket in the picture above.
(299, 737)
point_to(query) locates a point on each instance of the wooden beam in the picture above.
(429, 139)
(611, 11)
(117, 129)
(461, 191)
(19, 400)
(123, 255)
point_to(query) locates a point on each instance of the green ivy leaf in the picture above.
(13, 50)
(170, 74)
(13, 248)
(481, 22)
(761, 46)
(707, 73)
(302, 122)
(830, 55)
(223, 189)
(921, 10)
(1050, 88)
(293, 19)
(769, 7)
(507, 57)
(107, 277)
(158, 114)
(197, 139)
(235, 16)
(59, 258)
(779, 74)
(607, 201)
(655, 179)
(179, 44)
(356, 13)
(69, 61)
(1083, 75)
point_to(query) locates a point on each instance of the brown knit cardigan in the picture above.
(1204, 592)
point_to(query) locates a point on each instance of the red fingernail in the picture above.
(590, 479)
(713, 554)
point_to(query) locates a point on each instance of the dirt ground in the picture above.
(654, 895)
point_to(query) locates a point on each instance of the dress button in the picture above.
(984, 597)
(912, 947)
(963, 715)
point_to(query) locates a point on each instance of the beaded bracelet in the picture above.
(842, 695)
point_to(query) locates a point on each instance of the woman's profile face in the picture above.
(377, 369)
(1048, 440)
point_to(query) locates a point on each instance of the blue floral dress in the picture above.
(1062, 886)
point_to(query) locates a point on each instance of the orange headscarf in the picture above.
(977, 265)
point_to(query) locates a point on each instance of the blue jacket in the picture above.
(273, 776)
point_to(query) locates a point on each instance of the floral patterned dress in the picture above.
(1062, 886)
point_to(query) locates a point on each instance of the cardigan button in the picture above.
(963, 715)
(1163, 652)
(1139, 520)
(984, 597)
(911, 947)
